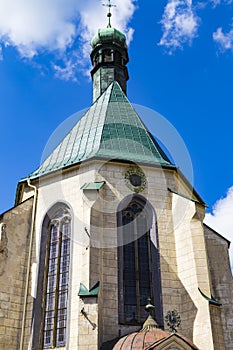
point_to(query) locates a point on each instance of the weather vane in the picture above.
(109, 15)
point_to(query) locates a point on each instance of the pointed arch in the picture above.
(50, 307)
(138, 260)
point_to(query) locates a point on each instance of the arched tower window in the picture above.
(108, 55)
(56, 279)
(138, 262)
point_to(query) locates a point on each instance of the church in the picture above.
(105, 247)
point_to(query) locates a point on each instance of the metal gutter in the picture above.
(210, 300)
(186, 197)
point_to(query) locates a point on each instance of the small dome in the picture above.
(148, 335)
(109, 35)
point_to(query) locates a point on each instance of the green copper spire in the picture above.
(109, 15)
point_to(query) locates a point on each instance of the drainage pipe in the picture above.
(28, 264)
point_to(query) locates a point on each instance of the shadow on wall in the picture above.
(177, 298)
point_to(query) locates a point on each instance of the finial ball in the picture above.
(149, 307)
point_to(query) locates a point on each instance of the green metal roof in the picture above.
(111, 129)
(93, 292)
(93, 186)
(108, 35)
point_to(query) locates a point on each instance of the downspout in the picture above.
(28, 264)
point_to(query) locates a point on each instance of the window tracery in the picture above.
(56, 280)
(138, 263)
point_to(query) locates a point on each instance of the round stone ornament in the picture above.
(135, 179)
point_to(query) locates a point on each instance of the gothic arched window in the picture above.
(56, 280)
(138, 262)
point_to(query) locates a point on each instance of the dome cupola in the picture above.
(107, 36)
(148, 335)
(151, 337)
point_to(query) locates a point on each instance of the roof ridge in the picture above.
(46, 165)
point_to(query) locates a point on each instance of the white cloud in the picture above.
(222, 218)
(179, 24)
(66, 71)
(219, 2)
(215, 2)
(31, 26)
(94, 17)
(41, 26)
(225, 41)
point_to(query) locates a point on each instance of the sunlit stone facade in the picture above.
(105, 222)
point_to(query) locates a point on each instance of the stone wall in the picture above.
(221, 280)
(88, 324)
(217, 329)
(65, 189)
(192, 267)
(183, 258)
(14, 241)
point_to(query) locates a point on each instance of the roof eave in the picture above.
(218, 234)
(190, 187)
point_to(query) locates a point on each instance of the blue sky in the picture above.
(181, 65)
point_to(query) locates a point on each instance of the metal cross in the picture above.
(109, 15)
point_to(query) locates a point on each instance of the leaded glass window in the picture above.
(56, 281)
(138, 263)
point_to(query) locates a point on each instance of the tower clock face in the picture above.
(135, 179)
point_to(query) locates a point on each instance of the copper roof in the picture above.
(110, 129)
(148, 335)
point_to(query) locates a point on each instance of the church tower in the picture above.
(109, 58)
(106, 222)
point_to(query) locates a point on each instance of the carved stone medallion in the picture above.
(135, 179)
